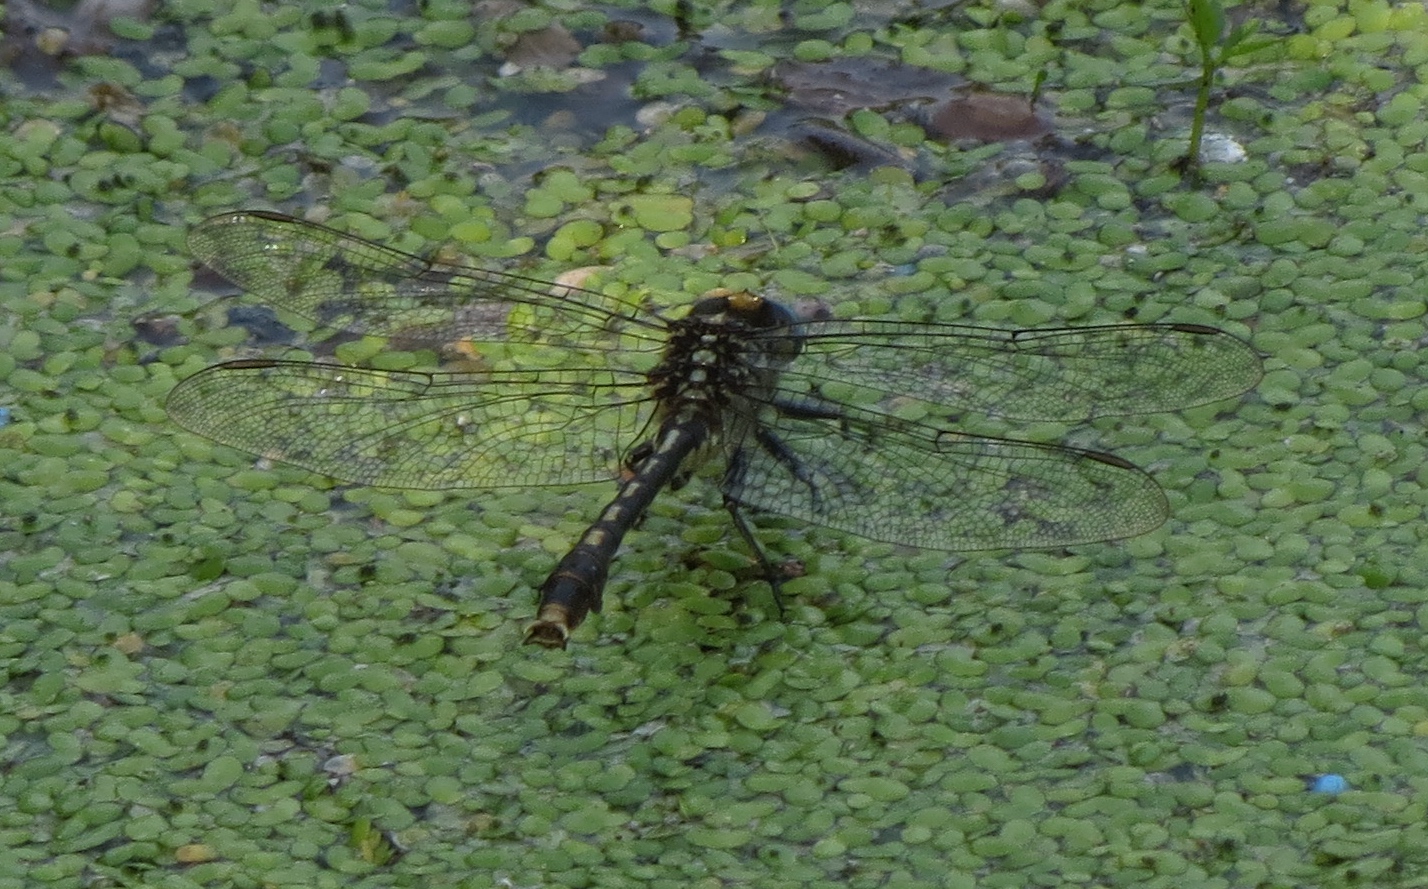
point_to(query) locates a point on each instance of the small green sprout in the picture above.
(1207, 23)
(372, 844)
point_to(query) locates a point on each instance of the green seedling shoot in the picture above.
(1207, 23)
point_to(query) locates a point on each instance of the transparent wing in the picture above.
(344, 282)
(923, 486)
(418, 430)
(1066, 374)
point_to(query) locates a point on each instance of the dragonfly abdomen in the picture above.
(575, 587)
(710, 365)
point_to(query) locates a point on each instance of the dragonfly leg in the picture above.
(774, 574)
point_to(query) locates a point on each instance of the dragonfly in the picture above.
(850, 424)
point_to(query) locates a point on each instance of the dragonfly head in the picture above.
(749, 308)
(754, 314)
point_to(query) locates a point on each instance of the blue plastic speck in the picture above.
(1330, 783)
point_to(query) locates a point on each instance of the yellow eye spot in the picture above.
(744, 301)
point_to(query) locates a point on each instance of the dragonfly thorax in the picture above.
(720, 363)
(728, 349)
